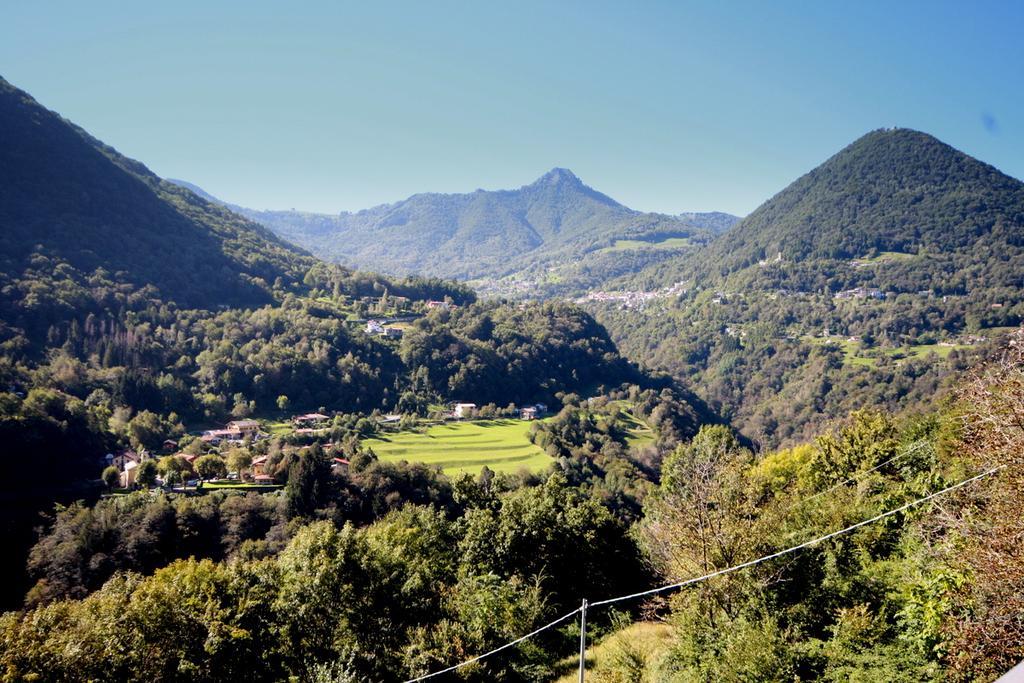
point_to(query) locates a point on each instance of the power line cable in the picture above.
(529, 635)
(720, 572)
(801, 546)
(913, 448)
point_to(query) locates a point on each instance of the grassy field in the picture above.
(276, 427)
(851, 350)
(617, 656)
(639, 434)
(458, 447)
(886, 257)
(635, 245)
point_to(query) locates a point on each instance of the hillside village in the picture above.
(232, 455)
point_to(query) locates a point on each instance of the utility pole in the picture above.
(583, 639)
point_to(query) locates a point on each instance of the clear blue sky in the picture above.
(664, 106)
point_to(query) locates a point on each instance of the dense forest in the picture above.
(780, 368)
(318, 585)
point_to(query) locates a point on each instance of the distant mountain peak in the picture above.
(559, 175)
(563, 181)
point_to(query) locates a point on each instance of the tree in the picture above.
(210, 467)
(986, 629)
(556, 532)
(111, 476)
(148, 430)
(308, 483)
(283, 402)
(147, 473)
(239, 460)
(698, 519)
(174, 468)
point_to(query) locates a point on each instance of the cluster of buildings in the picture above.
(377, 328)
(129, 460)
(634, 298)
(235, 431)
(860, 293)
(238, 431)
(462, 411)
(310, 423)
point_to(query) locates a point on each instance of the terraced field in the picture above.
(458, 447)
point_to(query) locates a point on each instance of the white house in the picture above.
(130, 474)
(244, 427)
(532, 412)
(463, 410)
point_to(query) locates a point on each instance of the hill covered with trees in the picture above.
(78, 216)
(896, 209)
(867, 281)
(486, 234)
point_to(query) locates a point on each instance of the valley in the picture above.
(284, 445)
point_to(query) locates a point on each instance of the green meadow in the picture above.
(636, 245)
(886, 257)
(457, 447)
(855, 355)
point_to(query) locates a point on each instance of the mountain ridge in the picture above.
(484, 233)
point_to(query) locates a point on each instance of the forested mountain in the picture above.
(77, 215)
(483, 233)
(897, 209)
(864, 282)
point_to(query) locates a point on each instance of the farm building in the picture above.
(532, 412)
(245, 427)
(310, 419)
(464, 410)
